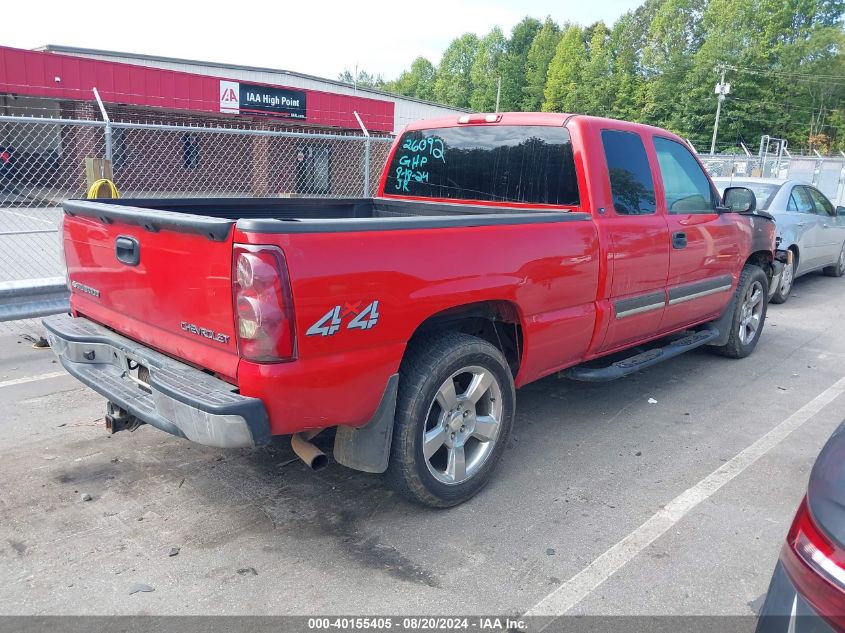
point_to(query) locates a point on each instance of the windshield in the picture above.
(763, 191)
(495, 163)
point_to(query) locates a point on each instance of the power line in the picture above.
(770, 71)
(782, 106)
(829, 80)
(742, 116)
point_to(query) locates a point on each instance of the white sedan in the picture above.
(809, 228)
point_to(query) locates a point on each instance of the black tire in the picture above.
(839, 267)
(741, 344)
(783, 290)
(429, 363)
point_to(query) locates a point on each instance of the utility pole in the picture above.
(722, 89)
(498, 92)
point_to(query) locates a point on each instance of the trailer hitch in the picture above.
(119, 420)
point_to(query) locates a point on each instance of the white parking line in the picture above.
(570, 593)
(26, 379)
(52, 223)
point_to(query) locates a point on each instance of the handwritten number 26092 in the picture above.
(431, 145)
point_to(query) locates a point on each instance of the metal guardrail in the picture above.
(32, 298)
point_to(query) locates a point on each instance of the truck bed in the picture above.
(215, 216)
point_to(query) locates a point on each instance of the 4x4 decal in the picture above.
(332, 320)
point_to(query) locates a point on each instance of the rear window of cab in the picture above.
(492, 163)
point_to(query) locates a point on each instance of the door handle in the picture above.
(127, 250)
(679, 240)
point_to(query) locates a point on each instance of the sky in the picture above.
(308, 36)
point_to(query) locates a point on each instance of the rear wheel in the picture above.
(453, 417)
(749, 313)
(787, 277)
(839, 267)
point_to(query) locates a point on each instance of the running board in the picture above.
(646, 359)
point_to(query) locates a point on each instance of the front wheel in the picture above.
(454, 413)
(784, 287)
(749, 313)
(839, 267)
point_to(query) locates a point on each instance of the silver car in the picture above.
(809, 228)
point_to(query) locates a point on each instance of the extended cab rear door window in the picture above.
(530, 164)
(686, 186)
(630, 174)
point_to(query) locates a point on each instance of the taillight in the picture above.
(816, 567)
(5, 157)
(263, 305)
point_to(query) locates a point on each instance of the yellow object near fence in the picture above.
(103, 188)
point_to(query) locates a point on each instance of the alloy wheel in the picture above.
(786, 278)
(751, 314)
(462, 425)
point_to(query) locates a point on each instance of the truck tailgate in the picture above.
(162, 279)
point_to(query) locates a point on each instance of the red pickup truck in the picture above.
(500, 249)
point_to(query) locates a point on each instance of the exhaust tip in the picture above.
(319, 462)
(313, 457)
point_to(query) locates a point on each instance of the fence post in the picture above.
(366, 154)
(107, 133)
(367, 168)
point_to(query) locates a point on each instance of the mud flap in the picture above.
(724, 323)
(367, 448)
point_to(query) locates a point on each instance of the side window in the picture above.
(630, 174)
(800, 201)
(686, 186)
(822, 204)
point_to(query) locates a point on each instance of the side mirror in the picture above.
(840, 211)
(739, 200)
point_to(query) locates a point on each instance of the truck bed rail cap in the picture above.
(216, 229)
(348, 225)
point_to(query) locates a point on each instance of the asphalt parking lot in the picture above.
(560, 525)
(28, 239)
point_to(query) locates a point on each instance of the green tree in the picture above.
(453, 83)
(486, 71)
(537, 62)
(593, 92)
(417, 82)
(778, 55)
(658, 64)
(674, 38)
(564, 73)
(362, 80)
(512, 66)
(626, 83)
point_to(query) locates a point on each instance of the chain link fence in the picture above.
(43, 163)
(825, 173)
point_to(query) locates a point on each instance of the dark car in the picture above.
(807, 592)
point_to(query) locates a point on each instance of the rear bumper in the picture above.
(181, 400)
(786, 611)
